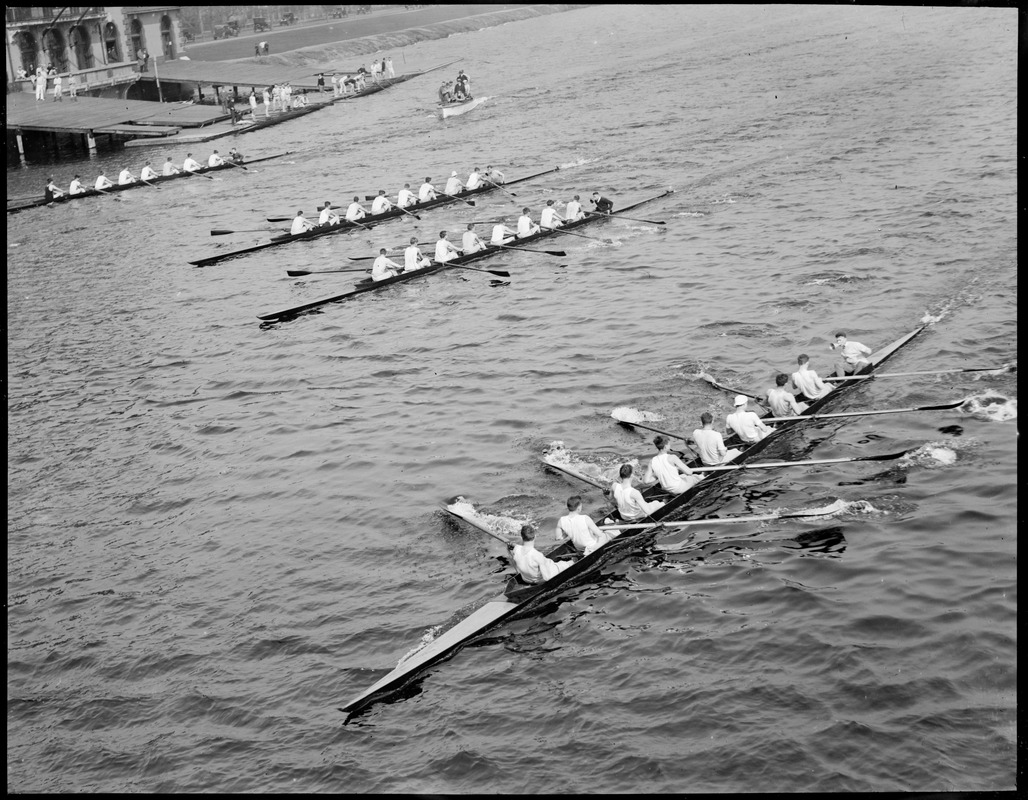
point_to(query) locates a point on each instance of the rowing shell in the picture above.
(366, 222)
(521, 599)
(490, 250)
(125, 187)
(385, 83)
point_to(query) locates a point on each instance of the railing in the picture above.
(88, 79)
(19, 14)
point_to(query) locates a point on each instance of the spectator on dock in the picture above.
(125, 177)
(321, 83)
(57, 88)
(102, 182)
(267, 102)
(170, 168)
(73, 86)
(76, 186)
(40, 83)
(190, 164)
(253, 103)
(389, 67)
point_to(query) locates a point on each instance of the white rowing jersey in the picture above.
(328, 216)
(444, 251)
(573, 211)
(809, 383)
(453, 185)
(783, 403)
(147, 173)
(710, 446)
(405, 198)
(380, 204)
(169, 168)
(526, 227)
(426, 192)
(412, 258)
(631, 504)
(190, 165)
(576, 527)
(671, 480)
(102, 183)
(548, 219)
(500, 234)
(470, 242)
(747, 425)
(76, 187)
(125, 177)
(383, 268)
(474, 181)
(300, 224)
(355, 211)
(215, 160)
(534, 567)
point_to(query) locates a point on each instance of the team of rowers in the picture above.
(146, 174)
(674, 476)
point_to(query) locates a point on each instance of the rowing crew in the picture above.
(146, 174)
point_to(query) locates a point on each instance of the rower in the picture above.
(102, 182)
(355, 210)
(574, 210)
(470, 243)
(125, 177)
(781, 401)
(384, 268)
(493, 175)
(427, 191)
(806, 381)
(381, 204)
(474, 180)
(533, 566)
(169, 168)
(406, 197)
(444, 249)
(190, 164)
(234, 155)
(147, 173)
(851, 355)
(525, 225)
(709, 444)
(215, 160)
(300, 224)
(581, 530)
(601, 203)
(550, 219)
(502, 234)
(51, 191)
(746, 425)
(76, 186)
(667, 468)
(328, 216)
(630, 502)
(413, 258)
(453, 185)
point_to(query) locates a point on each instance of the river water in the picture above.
(220, 532)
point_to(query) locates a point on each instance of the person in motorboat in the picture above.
(747, 425)
(532, 565)
(709, 444)
(806, 381)
(667, 468)
(630, 502)
(781, 401)
(384, 267)
(851, 355)
(580, 529)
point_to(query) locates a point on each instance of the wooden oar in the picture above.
(558, 253)
(201, 175)
(104, 191)
(622, 216)
(240, 166)
(409, 213)
(296, 273)
(943, 407)
(218, 232)
(826, 511)
(454, 197)
(512, 194)
(730, 390)
(776, 464)
(154, 185)
(928, 372)
(573, 233)
(647, 427)
(498, 272)
(574, 473)
(478, 525)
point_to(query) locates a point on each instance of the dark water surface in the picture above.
(219, 532)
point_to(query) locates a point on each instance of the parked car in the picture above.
(288, 18)
(230, 28)
(261, 24)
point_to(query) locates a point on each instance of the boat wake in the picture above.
(600, 469)
(629, 414)
(507, 527)
(930, 456)
(991, 406)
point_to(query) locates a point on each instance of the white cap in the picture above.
(453, 174)
(740, 400)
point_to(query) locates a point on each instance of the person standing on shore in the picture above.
(40, 83)
(253, 103)
(73, 86)
(389, 67)
(57, 89)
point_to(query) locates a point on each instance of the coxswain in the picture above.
(549, 218)
(51, 191)
(147, 173)
(581, 530)
(125, 177)
(746, 425)
(215, 160)
(851, 355)
(806, 382)
(601, 203)
(355, 210)
(781, 401)
(170, 168)
(502, 234)
(474, 180)
(453, 185)
(427, 191)
(525, 225)
(533, 566)
(102, 182)
(300, 224)
(328, 216)
(406, 197)
(76, 186)
(709, 444)
(234, 155)
(470, 243)
(381, 204)
(630, 502)
(413, 258)
(191, 164)
(668, 469)
(493, 175)
(574, 211)
(383, 267)
(444, 249)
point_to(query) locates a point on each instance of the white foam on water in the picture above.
(930, 456)
(500, 525)
(629, 414)
(991, 406)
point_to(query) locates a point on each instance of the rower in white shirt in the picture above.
(147, 173)
(444, 249)
(300, 224)
(781, 401)
(630, 502)
(581, 530)
(470, 243)
(474, 180)
(191, 164)
(525, 225)
(574, 210)
(383, 267)
(355, 210)
(215, 160)
(381, 204)
(502, 234)
(413, 258)
(328, 216)
(550, 219)
(427, 191)
(406, 197)
(125, 177)
(533, 566)
(76, 186)
(102, 182)
(806, 381)
(492, 175)
(453, 185)
(709, 444)
(668, 469)
(170, 168)
(747, 425)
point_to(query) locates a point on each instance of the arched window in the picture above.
(27, 46)
(167, 38)
(137, 38)
(111, 42)
(54, 49)
(82, 46)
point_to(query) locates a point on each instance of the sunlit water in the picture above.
(218, 533)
